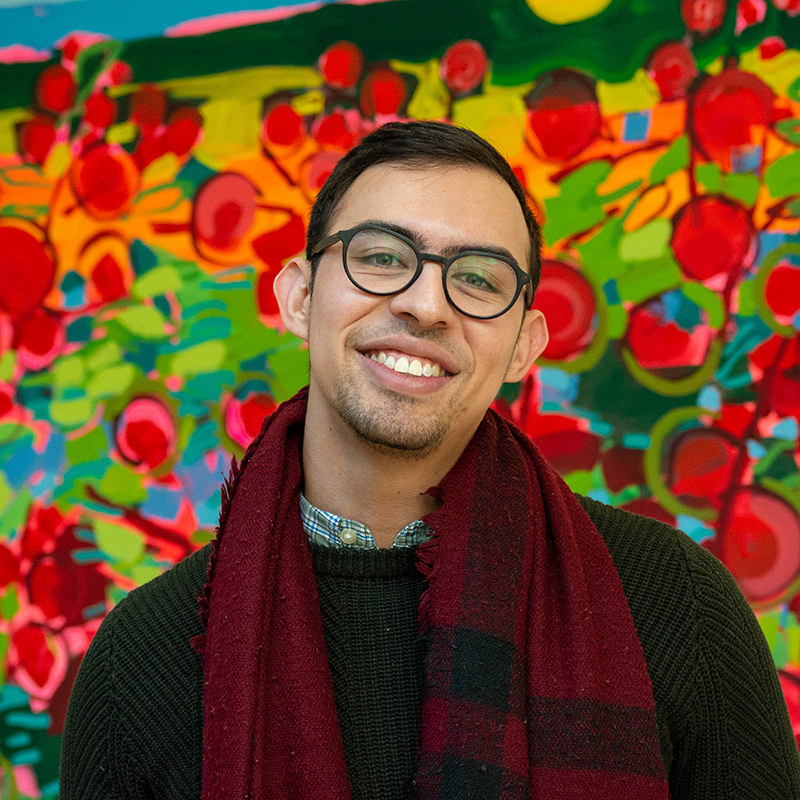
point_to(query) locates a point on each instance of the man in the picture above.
(404, 600)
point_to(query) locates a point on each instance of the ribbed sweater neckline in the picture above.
(359, 562)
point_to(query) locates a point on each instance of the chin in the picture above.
(397, 432)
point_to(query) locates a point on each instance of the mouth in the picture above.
(407, 364)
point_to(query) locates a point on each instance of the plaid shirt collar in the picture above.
(327, 529)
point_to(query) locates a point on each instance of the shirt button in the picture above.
(348, 536)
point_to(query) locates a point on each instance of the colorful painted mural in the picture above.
(151, 188)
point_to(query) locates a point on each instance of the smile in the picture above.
(409, 366)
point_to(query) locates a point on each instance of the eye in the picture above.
(383, 259)
(474, 277)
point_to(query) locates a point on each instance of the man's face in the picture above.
(354, 337)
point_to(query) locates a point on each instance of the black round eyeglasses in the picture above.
(381, 261)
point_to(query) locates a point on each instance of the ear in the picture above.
(291, 287)
(531, 342)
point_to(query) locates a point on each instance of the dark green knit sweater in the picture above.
(135, 721)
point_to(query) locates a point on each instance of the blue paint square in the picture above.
(636, 127)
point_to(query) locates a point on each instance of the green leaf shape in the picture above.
(9, 602)
(789, 129)
(142, 573)
(5, 492)
(111, 381)
(198, 359)
(782, 177)
(102, 354)
(743, 187)
(69, 371)
(648, 278)
(290, 368)
(600, 255)
(143, 321)
(122, 486)
(648, 242)
(676, 158)
(121, 544)
(15, 513)
(157, 281)
(91, 63)
(710, 176)
(578, 207)
(71, 413)
(89, 447)
(7, 363)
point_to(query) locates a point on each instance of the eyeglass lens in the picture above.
(479, 285)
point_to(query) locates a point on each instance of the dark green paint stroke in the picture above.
(521, 45)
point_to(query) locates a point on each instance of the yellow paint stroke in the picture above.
(560, 12)
(499, 117)
(637, 94)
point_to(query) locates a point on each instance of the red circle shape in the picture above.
(568, 304)
(382, 92)
(701, 465)
(148, 107)
(703, 16)
(36, 138)
(463, 65)
(100, 110)
(283, 125)
(673, 68)
(711, 235)
(40, 338)
(341, 64)
(105, 180)
(726, 112)
(146, 433)
(55, 89)
(782, 291)
(224, 210)
(761, 544)
(27, 270)
(564, 115)
(183, 130)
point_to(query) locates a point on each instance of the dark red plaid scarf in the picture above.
(536, 684)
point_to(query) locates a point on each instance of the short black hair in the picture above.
(413, 145)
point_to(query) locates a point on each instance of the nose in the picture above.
(424, 301)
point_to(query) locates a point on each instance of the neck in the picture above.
(347, 476)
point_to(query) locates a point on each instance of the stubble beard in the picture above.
(392, 427)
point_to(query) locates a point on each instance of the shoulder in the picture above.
(136, 707)
(680, 594)
(722, 717)
(660, 565)
(150, 629)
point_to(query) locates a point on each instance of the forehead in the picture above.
(443, 205)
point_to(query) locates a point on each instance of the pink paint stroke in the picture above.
(22, 54)
(240, 19)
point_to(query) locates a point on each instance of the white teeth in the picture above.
(402, 365)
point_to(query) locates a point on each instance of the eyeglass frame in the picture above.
(346, 236)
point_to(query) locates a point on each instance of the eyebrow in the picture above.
(450, 250)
